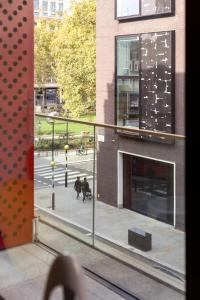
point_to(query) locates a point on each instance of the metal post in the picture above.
(67, 133)
(52, 166)
(66, 171)
(94, 171)
(36, 231)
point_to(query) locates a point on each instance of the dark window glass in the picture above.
(150, 188)
(134, 8)
(51, 96)
(128, 102)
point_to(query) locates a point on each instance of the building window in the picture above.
(36, 4)
(128, 81)
(139, 8)
(148, 187)
(60, 6)
(145, 81)
(53, 7)
(44, 5)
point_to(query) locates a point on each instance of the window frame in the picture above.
(144, 17)
(173, 83)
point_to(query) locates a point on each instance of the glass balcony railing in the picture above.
(134, 208)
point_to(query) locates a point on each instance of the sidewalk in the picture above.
(111, 223)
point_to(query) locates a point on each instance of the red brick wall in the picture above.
(16, 122)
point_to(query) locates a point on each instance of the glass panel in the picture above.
(156, 82)
(140, 186)
(128, 102)
(152, 192)
(128, 56)
(135, 187)
(55, 184)
(152, 7)
(127, 8)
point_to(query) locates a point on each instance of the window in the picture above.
(144, 81)
(53, 6)
(60, 6)
(128, 81)
(149, 187)
(36, 5)
(139, 8)
(44, 5)
(128, 8)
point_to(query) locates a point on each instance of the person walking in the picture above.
(85, 187)
(77, 186)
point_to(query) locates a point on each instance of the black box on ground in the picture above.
(140, 239)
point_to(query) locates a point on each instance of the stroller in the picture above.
(88, 195)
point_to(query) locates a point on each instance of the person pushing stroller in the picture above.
(85, 188)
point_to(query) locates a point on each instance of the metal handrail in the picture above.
(124, 129)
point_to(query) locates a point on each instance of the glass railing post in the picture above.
(94, 174)
(52, 166)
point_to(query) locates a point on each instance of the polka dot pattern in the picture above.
(16, 122)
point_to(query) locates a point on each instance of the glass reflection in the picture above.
(128, 102)
(151, 7)
(128, 56)
(151, 191)
(127, 8)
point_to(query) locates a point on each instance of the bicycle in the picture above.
(81, 150)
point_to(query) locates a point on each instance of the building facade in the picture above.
(50, 8)
(141, 84)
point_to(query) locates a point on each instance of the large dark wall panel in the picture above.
(16, 122)
(157, 80)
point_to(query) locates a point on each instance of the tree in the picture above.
(45, 31)
(74, 51)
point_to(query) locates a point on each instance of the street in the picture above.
(77, 166)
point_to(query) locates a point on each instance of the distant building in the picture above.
(47, 97)
(50, 8)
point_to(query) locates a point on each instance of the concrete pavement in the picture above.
(112, 224)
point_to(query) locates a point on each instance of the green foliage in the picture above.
(65, 50)
(75, 54)
(43, 127)
(45, 31)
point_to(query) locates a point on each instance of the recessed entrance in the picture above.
(148, 187)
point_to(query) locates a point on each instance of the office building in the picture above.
(50, 8)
